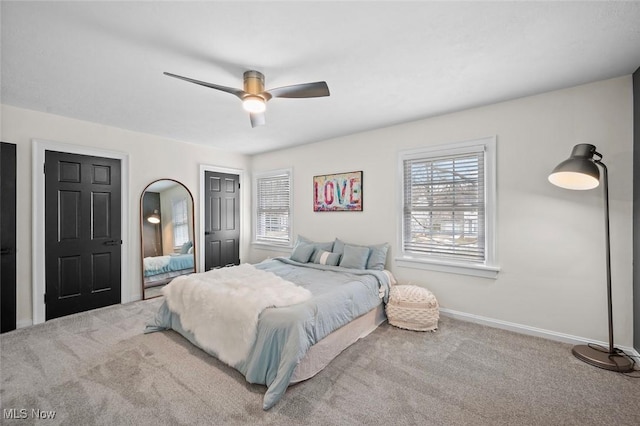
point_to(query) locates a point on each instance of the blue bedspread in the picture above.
(177, 262)
(285, 334)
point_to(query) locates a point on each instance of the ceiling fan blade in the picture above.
(305, 90)
(237, 92)
(257, 119)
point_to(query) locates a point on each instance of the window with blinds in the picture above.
(180, 213)
(273, 208)
(444, 209)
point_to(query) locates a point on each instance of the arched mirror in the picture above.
(168, 244)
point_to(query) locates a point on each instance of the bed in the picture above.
(294, 342)
(159, 270)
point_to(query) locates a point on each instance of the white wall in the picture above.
(550, 240)
(150, 158)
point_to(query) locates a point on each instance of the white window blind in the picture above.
(273, 199)
(180, 222)
(444, 206)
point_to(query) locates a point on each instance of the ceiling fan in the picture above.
(254, 98)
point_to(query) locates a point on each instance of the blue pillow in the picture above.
(302, 252)
(185, 247)
(355, 257)
(324, 257)
(338, 246)
(322, 246)
(377, 255)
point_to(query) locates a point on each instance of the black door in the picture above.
(222, 220)
(8, 236)
(82, 233)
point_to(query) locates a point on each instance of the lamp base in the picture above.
(603, 359)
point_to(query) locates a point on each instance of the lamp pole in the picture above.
(605, 182)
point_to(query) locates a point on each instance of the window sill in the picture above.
(482, 271)
(272, 247)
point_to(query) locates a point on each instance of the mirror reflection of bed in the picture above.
(168, 244)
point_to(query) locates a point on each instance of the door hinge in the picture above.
(44, 168)
(45, 298)
(238, 185)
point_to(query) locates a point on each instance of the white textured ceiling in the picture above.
(385, 62)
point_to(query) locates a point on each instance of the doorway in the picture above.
(8, 236)
(130, 288)
(221, 219)
(82, 233)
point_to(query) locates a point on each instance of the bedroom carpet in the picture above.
(97, 368)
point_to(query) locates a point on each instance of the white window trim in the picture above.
(488, 269)
(285, 247)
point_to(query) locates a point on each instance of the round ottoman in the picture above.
(412, 308)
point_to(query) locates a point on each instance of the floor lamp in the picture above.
(580, 172)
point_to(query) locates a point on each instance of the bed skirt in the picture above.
(320, 355)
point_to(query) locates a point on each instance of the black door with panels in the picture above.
(8, 236)
(82, 233)
(222, 220)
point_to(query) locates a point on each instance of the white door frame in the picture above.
(39, 147)
(216, 169)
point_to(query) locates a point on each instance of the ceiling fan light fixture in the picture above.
(254, 104)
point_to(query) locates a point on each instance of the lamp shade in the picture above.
(154, 217)
(579, 172)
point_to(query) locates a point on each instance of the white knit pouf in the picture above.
(413, 308)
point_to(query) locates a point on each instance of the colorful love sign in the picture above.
(338, 192)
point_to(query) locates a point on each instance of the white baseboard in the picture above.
(24, 323)
(531, 331)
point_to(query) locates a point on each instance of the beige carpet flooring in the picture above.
(98, 368)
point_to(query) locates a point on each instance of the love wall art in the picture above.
(338, 192)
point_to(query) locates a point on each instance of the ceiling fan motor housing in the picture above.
(254, 82)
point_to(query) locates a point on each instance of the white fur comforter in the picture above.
(155, 263)
(221, 307)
